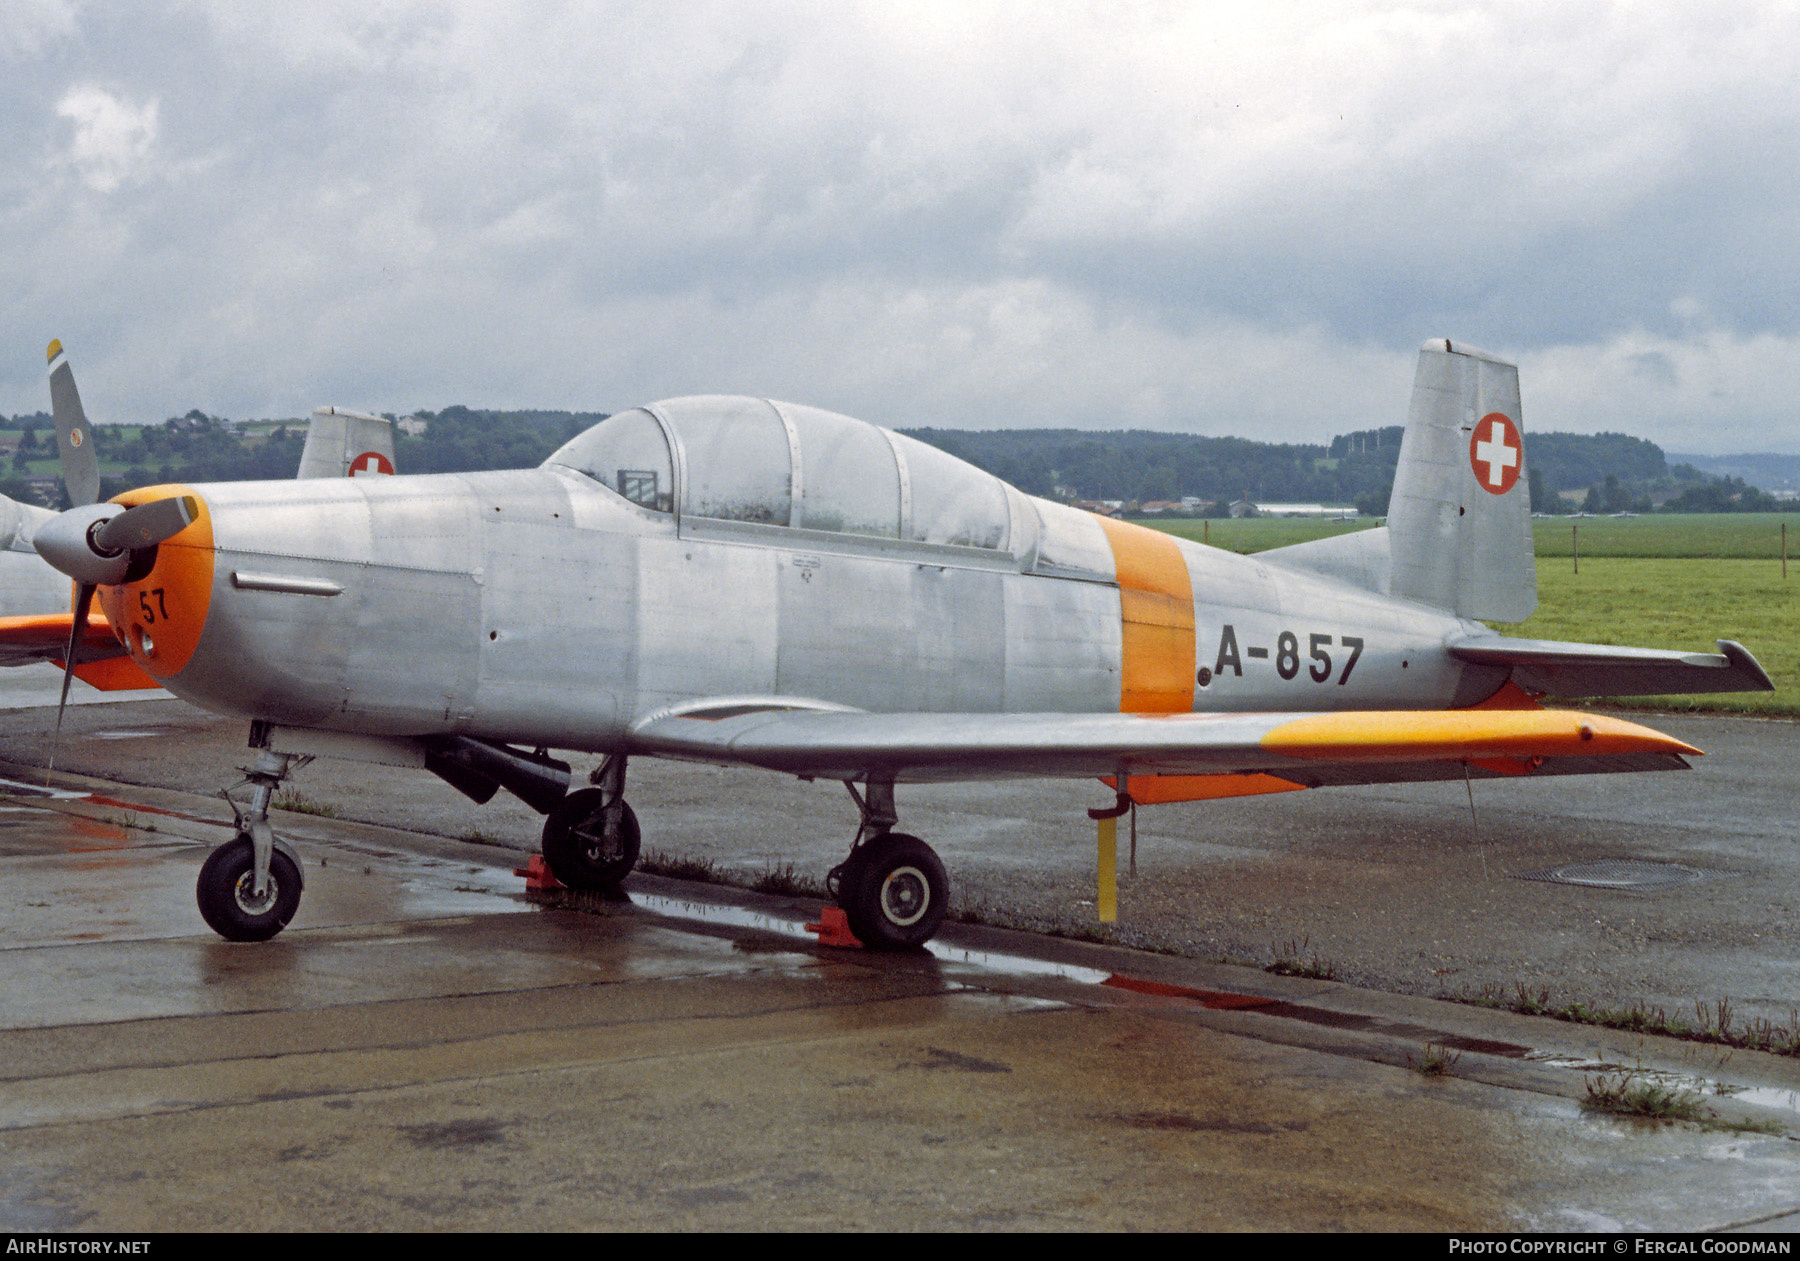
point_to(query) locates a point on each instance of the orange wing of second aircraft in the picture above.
(45, 637)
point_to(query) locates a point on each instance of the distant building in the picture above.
(1244, 508)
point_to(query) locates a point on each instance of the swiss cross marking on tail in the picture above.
(371, 462)
(1495, 453)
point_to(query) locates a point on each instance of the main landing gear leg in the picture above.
(591, 839)
(250, 886)
(892, 887)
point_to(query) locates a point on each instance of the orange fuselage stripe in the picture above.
(1156, 614)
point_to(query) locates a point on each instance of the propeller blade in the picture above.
(74, 436)
(84, 597)
(147, 524)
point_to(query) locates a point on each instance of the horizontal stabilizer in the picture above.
(1550, 668)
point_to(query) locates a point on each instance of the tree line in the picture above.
(1610, 472)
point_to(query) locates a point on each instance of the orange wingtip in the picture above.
(55, 350)
(1462, 735)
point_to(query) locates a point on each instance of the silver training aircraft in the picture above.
(734, 580)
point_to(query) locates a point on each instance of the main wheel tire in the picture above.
(575, 842)
(225, 892)
(897, 894)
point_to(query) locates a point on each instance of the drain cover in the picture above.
(1624, 873)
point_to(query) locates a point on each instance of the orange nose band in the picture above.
(159, 617)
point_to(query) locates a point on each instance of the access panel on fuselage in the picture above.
(887, 634)
(706, 620)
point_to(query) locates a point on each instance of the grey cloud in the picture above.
(412, 204)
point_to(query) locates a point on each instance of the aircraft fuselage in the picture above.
(537, 607)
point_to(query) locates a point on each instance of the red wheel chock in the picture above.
(537, 874)
(833, 929)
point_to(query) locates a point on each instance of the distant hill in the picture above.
(1766, 471)
(1354, 468)
(1614, 471)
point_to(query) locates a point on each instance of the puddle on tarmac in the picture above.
(1019, 965)
(741, 917)
(1781, 1097)
(16, 788)
(713, 913)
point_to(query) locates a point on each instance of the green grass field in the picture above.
(1678, 536)
(1656, 602)
(1652, 582)
(1257, 534)
(1690, 536)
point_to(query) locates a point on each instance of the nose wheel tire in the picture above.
(226, 892)
(576, 845)
(896, 893)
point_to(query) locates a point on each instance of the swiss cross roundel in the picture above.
(1496, 453)
(371, 462)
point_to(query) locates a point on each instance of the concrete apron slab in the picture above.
(424, 1049)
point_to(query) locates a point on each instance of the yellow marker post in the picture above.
(1107, 902)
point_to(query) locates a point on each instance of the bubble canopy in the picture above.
(725, 458)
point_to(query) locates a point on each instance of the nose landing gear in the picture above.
(249, 887)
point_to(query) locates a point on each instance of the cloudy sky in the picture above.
(1210, 217)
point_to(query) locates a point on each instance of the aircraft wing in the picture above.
(1277, 751)
(45, 637)
(101, 660)
(1549, 668)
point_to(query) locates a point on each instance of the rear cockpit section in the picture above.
(744, 467)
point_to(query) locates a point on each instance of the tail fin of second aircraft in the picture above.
(342, 443)
(1459, 519)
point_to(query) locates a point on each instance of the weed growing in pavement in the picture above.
(1714, 1023)
(678, 868)
(784, 881)
(1289, 961)
(1434, 1061)
(1633, 1094)
(296, 802)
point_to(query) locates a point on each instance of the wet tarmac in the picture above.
(425, 1048)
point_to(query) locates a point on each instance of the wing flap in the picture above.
(1305, 749)
(1552, 668)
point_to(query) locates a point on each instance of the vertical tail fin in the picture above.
(342, 443)
(1459, 520)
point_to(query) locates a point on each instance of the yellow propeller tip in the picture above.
(55, 350)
